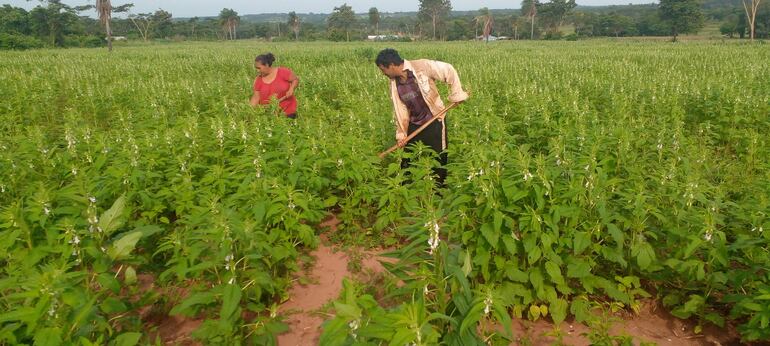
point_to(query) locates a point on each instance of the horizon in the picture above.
(183, 9)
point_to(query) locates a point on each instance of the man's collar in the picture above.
(407, 65)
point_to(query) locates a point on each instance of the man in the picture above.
(416, 100)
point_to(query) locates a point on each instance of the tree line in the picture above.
(56, 24)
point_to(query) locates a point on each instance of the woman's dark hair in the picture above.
(387, 57)
(266, 59)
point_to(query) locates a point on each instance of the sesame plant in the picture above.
(581, 174)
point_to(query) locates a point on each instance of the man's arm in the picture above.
(446, 73)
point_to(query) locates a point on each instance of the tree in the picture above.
(751, 7)
(229, 20)
(529, 9)
(374, 20)
(554, 12)
(52, 21)
(192, 22)
(143, 23)
(14, 20)
(734, 24)
(342, 19)
(682, 16)
(459, 29)
(294, 23)
(163, 26)
(614, 24)
(104, 11)
(487, 21)
(437, 11)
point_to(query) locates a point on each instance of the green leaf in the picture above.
(692, 306)
(558, 310)
(128, 339)
(473, 316)
(716, 319)
(487, 230)
(112, 219)
(113, 305)
(645, 254)
(616, 234)
(581, 309)
(130, 276)
(48, 337)
(347, 310)
(122, 247)
(581, 240)
(578, 269)
(534, 312)
(467, 266)
(200, 298)
(231, 299)
(554, 272)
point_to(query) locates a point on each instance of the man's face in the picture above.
(391, 71)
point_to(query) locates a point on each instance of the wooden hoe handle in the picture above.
(419, 129)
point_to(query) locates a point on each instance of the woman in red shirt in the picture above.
(278, 82)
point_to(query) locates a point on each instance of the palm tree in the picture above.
(104, 11)
(485, 17)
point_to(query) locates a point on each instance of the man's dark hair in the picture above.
(387, 57)
(266, 59)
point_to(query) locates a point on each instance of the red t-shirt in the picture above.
(277, 88)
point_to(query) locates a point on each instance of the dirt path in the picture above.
(651, 325)
(330, 267)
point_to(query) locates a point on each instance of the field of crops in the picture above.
(582, 175)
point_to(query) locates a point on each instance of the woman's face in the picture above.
(263, 70)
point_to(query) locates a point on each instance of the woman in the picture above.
(278, 82)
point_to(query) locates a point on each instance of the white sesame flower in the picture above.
(92, 199)
(708, 235)
(433, 240)
(487, 305)
(354, 324)
(527, 176)
(232, 280)
(75, 240)
(74, 171)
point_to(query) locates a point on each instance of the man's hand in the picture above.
(402, 143)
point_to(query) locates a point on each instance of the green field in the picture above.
(582, 175)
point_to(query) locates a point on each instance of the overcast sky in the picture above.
(192, 8)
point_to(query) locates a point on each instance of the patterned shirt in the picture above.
(409, 92)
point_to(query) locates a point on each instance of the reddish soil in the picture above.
(651, 325)
(305, 301)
